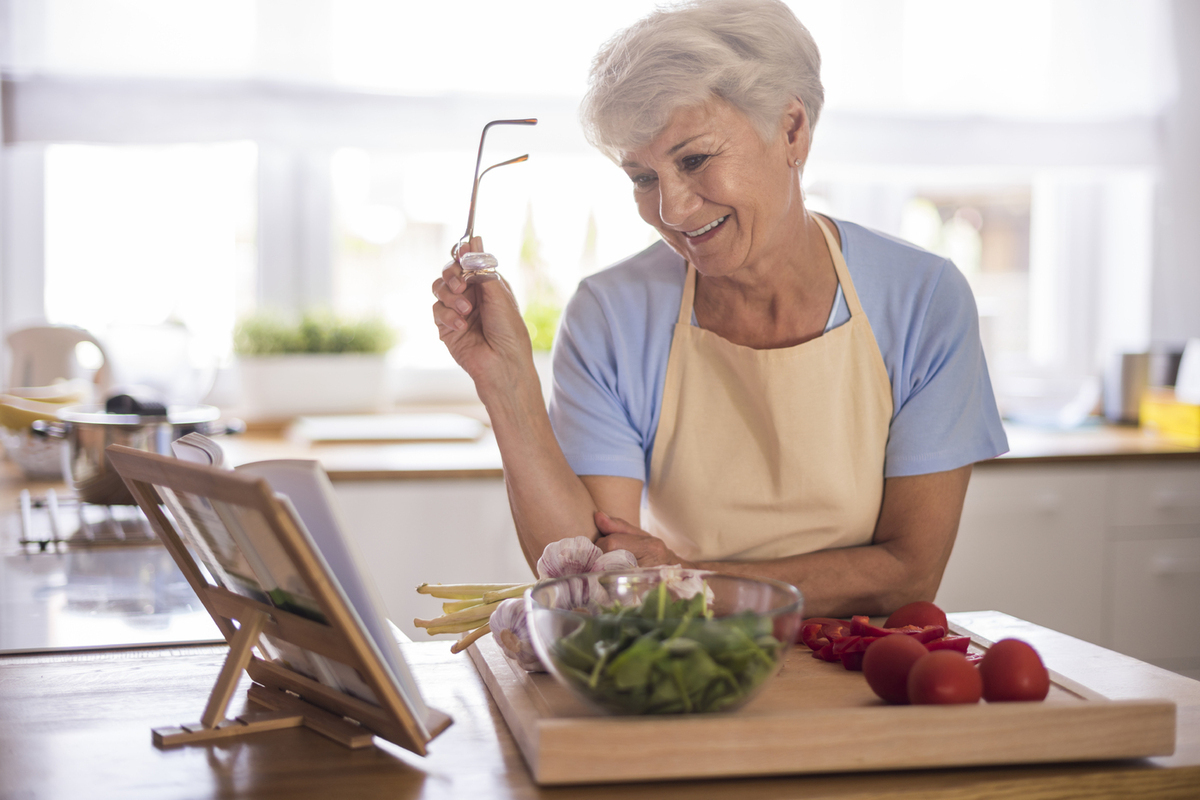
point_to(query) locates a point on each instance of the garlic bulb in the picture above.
(568, 557)
(511, 630)
(615, 561)
(578, 555)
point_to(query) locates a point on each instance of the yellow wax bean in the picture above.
(469, 639)
(466, 615)
(516, 591)
(462, 591)
(461, 627)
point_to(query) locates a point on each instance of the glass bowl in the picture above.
(665, 640)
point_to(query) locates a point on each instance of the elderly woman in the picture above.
(790, 396)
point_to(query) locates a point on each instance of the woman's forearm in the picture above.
(549, 501)
(868, 580)
(917, 525)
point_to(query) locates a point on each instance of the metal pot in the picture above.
(88, 430)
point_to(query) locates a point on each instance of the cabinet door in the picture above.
(1031, 544)
(1156, 494)
(447, 531)
(1154, 564)
(1155, 599)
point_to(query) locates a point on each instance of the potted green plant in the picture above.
(320, 364)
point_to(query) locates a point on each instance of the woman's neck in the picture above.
(783, 301)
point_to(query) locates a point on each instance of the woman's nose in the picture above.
(676, 200)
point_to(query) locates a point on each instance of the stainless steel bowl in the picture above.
(88, 430)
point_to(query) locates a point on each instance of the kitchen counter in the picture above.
(481, 459)
(1089, 443)
(78, 725)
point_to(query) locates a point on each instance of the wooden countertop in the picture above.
(77, 725)
(370, 462)
(1089, 443)
(481, 459)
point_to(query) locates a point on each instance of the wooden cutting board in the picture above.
(813, 717)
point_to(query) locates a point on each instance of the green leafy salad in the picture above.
(667, 656)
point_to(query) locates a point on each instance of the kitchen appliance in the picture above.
(38, 457)
(41, 355)
(1124, 384)
(124, 420)
(1187, 381)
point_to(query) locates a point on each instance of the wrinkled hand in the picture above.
(481, 325)
(650, 551)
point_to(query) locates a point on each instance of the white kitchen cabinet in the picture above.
(411, 532)
(1031, 544)
(1156, 599)
(1108, 551)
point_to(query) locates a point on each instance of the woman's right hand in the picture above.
(481, 325)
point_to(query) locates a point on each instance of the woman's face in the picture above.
(718, 194)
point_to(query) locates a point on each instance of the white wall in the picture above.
(437, 531)
(1176, 292)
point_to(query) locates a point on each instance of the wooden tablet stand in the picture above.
(290, 711)
(292, 698)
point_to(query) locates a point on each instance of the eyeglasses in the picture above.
(483, 263)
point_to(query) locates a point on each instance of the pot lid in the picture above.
(176, 415)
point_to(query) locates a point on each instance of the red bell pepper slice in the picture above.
(959, 643)
(850, 650)
(929, 633)
(840, 645)
(825, 653)
(861, 626)
(810, 635)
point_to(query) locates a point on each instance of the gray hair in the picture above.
(754, 54)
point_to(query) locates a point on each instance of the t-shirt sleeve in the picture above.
(948, 416)
(588, 412)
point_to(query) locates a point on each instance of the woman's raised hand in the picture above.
(481, 325)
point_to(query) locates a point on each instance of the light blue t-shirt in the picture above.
(610, 358)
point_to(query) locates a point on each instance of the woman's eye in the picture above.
(642, 181)
(693, 162)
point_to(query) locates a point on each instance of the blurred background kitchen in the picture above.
(173, 168)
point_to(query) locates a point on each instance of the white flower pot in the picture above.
(274, 387)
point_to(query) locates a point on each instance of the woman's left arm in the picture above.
(917, 524)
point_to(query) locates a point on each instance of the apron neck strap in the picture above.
(689, 296)
(839, 266)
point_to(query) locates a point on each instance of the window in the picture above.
(336, 162)
(141, 235)
(549, 221)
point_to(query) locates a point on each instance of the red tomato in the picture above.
(944, 677)
(887, 662)
(920, 613)
(1012, 670)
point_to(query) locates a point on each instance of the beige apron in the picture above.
(770, 453)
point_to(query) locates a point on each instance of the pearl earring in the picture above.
(796, 162)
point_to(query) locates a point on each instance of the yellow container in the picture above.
(1179, 422)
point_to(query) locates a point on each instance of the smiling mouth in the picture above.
(706, 228)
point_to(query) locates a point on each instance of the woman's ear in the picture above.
(797, 132)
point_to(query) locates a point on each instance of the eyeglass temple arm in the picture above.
(479, 162)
